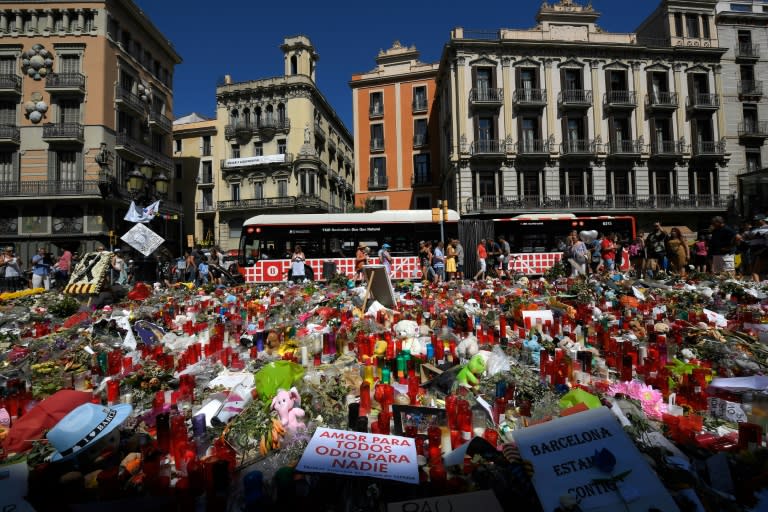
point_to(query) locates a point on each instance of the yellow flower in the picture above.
(21, 293)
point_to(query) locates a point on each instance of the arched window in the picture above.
(257, 115)
(246, 116)
(269, 115)
(294, 65)
(281, 113)
(233, 116)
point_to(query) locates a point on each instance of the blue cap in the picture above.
(385, 246)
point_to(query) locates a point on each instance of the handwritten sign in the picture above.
(143, 239)
(480, 500)
(563, 452)
(360, 454)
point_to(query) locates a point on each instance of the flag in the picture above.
(138, 214)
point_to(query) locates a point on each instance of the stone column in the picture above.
(718, 70)
(19, 20)
(723, 185)
(681, 171)
(65, 20)
(551, 179)
(508, 82)
(597, 106)
(639, 113)
(48, 20)
(642, 182)
(551, 100)
(34, 21)
(509, 178)
(464, 186)
(599, 178)
(94, 20)
(462, 94)
(680, 131)
(3, 22)
(80, 20)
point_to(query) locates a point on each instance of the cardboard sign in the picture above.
(480, 500)
(361, 454)
(563, 451)
(143, 239)
(90, 274)
(13, 488)
(380, 285)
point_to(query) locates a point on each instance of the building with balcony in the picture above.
(281, 146)
(396, 131)
(742, 27)
(196, 165)
(85, 98)
(569, 117)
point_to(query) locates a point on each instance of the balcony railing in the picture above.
(65, 82)
(488, 147)
(207, 150)
(247, 129)
(421, 180)
(319, 132)
(709, 148)
(703, 101)
(64, 132)
(662, 100)
(47, 188)
(420, 105)
(595, 203)
(162, 122)
(625, 147)
(258, 204)
(377, 144)
(420, 139)
(375, 111)
(620, 99)
(666, 147)
(206, 178)
(533, 147)
(530, 97)
(126, 143)
(205, 207)
(129, 99)
(575, 98)
(276, 124)
(10, 83)
(753, 129)
(10, 133)
(747, 51)
(378, 183)
(750, 87)
(578, 147)
(486, 95)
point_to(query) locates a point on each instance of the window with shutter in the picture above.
(69, 112)
(66, 166)
(7, 65)
(69, 64)
(7, 113)
(7, 173)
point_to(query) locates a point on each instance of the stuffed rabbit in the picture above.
(287, 403)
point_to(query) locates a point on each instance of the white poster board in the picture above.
(380, 285)
(143, 239)
(13, 488)
(480, 500)
(562, 452)
(361, 454)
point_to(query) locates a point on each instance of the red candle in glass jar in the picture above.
(365, 398)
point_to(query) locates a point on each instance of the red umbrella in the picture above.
(41, 418)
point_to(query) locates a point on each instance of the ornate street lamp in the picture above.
(146, 169)
(161, 184)
(135, 182)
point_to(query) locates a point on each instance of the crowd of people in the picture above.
(721, 250)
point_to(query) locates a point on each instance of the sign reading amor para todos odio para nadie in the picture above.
(588, 458)
(353, 453)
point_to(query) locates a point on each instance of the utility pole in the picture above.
(440, 214)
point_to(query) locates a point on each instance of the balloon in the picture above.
(588, 236)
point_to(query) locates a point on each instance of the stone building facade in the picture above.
(566, 117)
(283, 148)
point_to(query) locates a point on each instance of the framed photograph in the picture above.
(419, 418)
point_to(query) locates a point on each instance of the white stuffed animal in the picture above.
(409, 331)
(468, 347)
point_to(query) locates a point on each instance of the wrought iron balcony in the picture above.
(48, 188)
(488, 148)
(376, 182)
(420, 139)
(747, 51)
(65, 82)
(377, 144)
(64, 132)
(421, 179)
(533, 147)
(206, 179)
(620, 99)
(753, 88)
(599, 203)
(263, 203)
(703, 101)
(10, 134)
(671, 148)
(238, 129)
(486, 96)
(753, 129)
(577, 98)
(319, 131)
(310, 202)
(578, 147)
(160, 121)
(10, 84)
(711, 148)
(628, 148)
(205, 207)
(420, 105)
(130, 100)
(266, 126)
(529, 97)
(140, 151)
(662, 100)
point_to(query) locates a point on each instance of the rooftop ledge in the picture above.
(555, 33)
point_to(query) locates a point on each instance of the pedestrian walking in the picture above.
(482, 255)
(41, 270)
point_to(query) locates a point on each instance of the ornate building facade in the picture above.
(742, 27)
(397, 160)
(565, 117)
(283, 148)
(85, 99)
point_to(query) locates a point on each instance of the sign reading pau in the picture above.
(587, 457)
(353, 453)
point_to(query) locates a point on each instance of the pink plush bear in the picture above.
(287, 404)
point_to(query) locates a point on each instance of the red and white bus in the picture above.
(537, 241)
(267, 241)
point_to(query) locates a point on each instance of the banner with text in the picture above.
(360, 454)
(590, 458)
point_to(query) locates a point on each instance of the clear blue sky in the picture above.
(242, 37)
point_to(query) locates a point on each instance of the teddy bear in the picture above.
(468, 375)
(287, 403)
